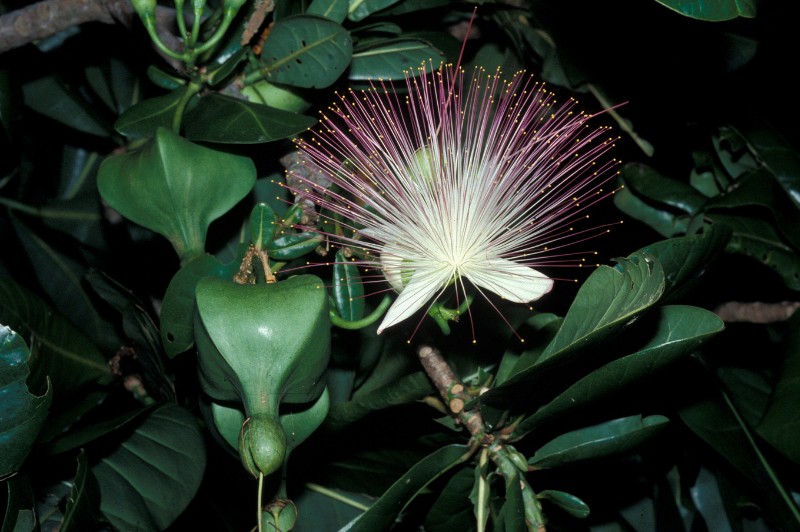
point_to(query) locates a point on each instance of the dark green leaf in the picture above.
(20, 509)
(712, 10)
(758, 239)
(383, 513)
(685, 259)
(59, 348)
(227, 120)
(392, 58)
(452, 509)
(80, 437)
(263, 222)
(679, 331)
(348, 289)
(612, 438)
(512, 514)
(143, 119)
(176, 188)
(781, 422)
(294, 245)
(648, 184)
(335, 10)
(150, 479)
(567, 502)
(54, 99)
(715, 420)
(399, 392)
(662, 221)
(60, 272)
(164, 80)
(83, 504)
(762, 190)
(223, 72)
(24, 414)
(318, 512)
(177, 329)
(306, 51)
(608, 300)
(361, 9)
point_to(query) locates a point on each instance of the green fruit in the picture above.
(262, 445)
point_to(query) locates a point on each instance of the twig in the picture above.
(756, 311)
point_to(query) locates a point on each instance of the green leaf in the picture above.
(52, 98)
(678, 332)
(176, 188)
(612, 438)
(80, 437)
(780, 424)
(383, 513)
(686, 258)
(83, 502)
(662, 221)
(320, 511)
(401, 391)
(294, 245)
(20, 511)
(164, 80)
(23, 414)
(758, 239)
(648, 184)
(609, 301)
(715, 420)
(760, 189)
(224, 119)
(452, 509)
(392, 58)
(147, 482)
(59, 348)
(335, 10)
(177, 328)
(361, 9)
(306, 51)
(143, 119)
(348, 289)
(712, 10)
(567, 502)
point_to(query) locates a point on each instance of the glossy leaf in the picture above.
(646, 183)
(452, 509)
(335, 10)
(686, 258)
(147, 482)
(606, 439)
(294, 245)
(306, 51)
(163, 79)
(361, 9)
(143, 119)
(177, 328)
(176, 188)
(712, 10)
(663, 222)
(383, 513)
(679, 331)
(391, 58)
(60, 349)
(780, 424)
(609, 301)
(263, 222)
(348, 289)
(23, 413)
(567, 502)
(275, 96)
(227, 120)
(83, 503)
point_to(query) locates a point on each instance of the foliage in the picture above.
(181, 346)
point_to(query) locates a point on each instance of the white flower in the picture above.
(476, 179)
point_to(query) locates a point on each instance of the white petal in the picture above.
(422, 287)
(509, 280)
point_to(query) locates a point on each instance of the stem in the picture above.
(180, 20)
(365, 321)
(150, 26)
(191, 89)
(221, 30)
(483, 492)
(336, 496)
(260, 494)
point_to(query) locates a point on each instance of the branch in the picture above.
(50, 17)
(756, 312)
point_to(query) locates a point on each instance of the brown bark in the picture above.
(756, 311)
(46, 18)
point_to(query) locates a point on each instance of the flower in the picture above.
(458, 178)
